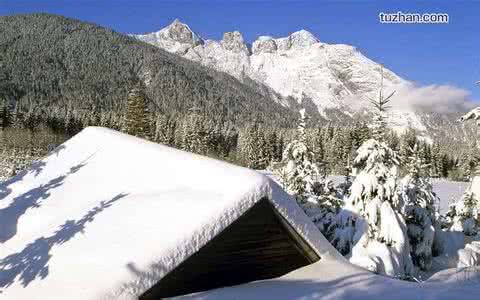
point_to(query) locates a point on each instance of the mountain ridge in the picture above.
(299, 66)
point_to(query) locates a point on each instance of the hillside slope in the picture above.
(50, 63)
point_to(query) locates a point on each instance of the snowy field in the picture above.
(447, 191)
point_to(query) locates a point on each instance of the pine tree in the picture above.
(408, 141)
(346, 185)
(137, 117)
(5, 116)
(299, 171)
(194, 135)
(323, 207)
(469, 162)
(381, 241)
(427, 156)
(273, 146)
(364, 134)
(318, 146)
(346, 150)
(254, 147)
(436, 166)
(418, 202)
(464, 215)
(394, 142)
(165, 130)
(209, 137)
(301, 177)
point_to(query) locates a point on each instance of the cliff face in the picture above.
(332, 76)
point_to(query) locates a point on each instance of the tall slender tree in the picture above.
(465, 213)
(299, 171)
(137, 116)
(418, 208)
(381, 241)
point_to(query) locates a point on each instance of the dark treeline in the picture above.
(255, 145)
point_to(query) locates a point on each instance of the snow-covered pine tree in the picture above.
(165, 130)
(5, 116)
(253, 146)
(318, 146)
(336, 150)
(137, 117)
(464, 215)
(436, 166)
(209, 137)
(381, 241)
(418, 201)
(301, 177)
(347, 183)
(323, 207)
(408, 140)
(193, 133)
(469, 162)
(299, 171)
(426, 151)
(273, 147)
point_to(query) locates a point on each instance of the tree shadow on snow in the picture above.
(35, 167)
(10, 215)
(32, 261)
(144, 280)
(57, 150)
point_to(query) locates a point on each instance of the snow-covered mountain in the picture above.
(332, 76)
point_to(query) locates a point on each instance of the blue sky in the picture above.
(425, 54)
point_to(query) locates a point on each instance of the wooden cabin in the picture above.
(260, 244)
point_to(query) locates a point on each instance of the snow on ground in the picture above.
(447, 191)
(330, 279)
(106, 215)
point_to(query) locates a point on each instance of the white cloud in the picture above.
(432, 98)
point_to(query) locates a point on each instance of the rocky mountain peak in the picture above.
(233, 41)
(180, 32)
(264, 44)
(302, 39)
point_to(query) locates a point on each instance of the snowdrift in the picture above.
(337, 280)
(106, 215)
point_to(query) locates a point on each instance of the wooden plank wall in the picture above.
(256, 246)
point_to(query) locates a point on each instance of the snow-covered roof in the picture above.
(330, 279)
(106, 215)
